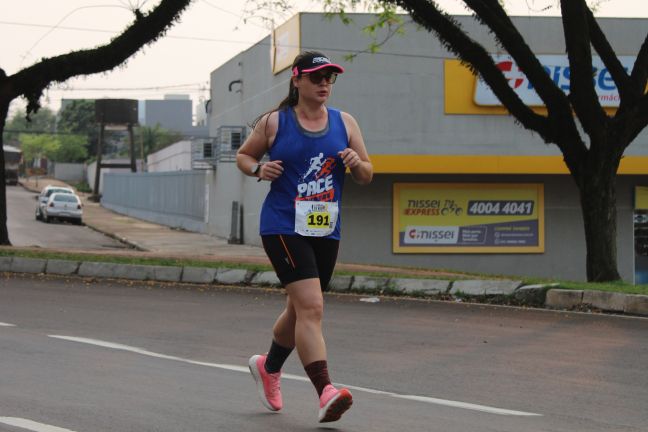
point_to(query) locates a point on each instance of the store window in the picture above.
(641, 234)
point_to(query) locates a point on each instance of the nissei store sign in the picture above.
(557, 67)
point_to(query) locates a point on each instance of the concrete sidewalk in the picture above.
(148, 239)
(152, 240)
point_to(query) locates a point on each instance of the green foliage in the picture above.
(82, 187)
(135, 260)
(386, 24)
(42, 121)
(37, 146)
(155, 138)
(71, 148)
(78, 117)
(58, 148)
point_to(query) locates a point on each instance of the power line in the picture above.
(54, 27)
(240, 17)
(328, 49)
(190, 86)
(95, 30)
(41, 132)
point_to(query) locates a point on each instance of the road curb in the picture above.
(506, 291)
(113, 236)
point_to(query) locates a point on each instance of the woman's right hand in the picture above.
(271, 171)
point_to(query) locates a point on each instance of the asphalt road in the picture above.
(98, 355)
(25, 230)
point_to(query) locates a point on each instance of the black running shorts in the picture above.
(296, 257)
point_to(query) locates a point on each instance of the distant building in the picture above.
(174, 112)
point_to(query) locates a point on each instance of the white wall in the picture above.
(70, 172)
(176, 157)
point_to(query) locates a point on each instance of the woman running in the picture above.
(310, 146)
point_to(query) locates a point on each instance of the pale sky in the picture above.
(210, 33)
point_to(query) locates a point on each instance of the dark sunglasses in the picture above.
(317, 77)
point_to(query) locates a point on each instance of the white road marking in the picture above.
(7, 325)
(448, 403)
(425, 399)
(31, 425)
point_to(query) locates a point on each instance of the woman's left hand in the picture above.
(350, 158)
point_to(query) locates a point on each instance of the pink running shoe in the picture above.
(268, 384)
(333, 403)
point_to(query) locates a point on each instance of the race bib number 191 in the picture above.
(315, 218)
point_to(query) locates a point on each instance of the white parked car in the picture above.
(63, 206)
(44, 196)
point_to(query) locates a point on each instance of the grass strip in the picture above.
(619, 287)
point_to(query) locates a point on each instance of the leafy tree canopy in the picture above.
(42, 121)
(78, 116)
(57, 148)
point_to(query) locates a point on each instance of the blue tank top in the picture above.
(313, 171)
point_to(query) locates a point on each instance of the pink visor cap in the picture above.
(315, 62)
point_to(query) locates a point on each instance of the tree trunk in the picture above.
(4, 232)
(598, 203)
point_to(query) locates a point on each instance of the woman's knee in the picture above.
(312, 310)
(307, 300)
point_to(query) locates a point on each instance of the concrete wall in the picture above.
(91, 171)
(176, 199)
(226, 185)
(70, 172)
(176, 157)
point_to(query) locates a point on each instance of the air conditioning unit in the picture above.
(230, 137)
(207, 150)
(203, 154)
(202, 149)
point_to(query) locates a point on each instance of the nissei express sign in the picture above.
(557, 67)
(468, 218)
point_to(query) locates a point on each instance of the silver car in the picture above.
(44, 196)
(63, 206)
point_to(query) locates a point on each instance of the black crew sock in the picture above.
(276, 357)
(318, 374)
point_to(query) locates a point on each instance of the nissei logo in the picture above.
(557, 67)
(431, 235)
(513, 74)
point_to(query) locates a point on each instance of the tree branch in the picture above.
(491, 13)
(567, 137)
(610, 59)
(454, 39)
(146, 29)
(582, 95)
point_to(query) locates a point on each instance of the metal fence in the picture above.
(172, 198)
